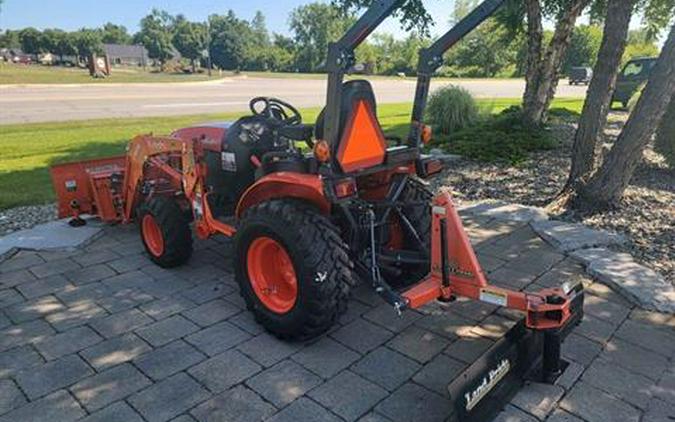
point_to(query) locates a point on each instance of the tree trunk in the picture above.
(194, 67)
(607, 185)
(535, 35)
(541, 94)
(664, 143)
(599, 96)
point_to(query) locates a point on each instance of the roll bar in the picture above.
(341, 58)
(431, 59)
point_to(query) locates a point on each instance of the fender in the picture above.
(308, 187)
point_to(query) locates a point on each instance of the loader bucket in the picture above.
(84, 187)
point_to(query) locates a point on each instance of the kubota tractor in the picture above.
(307, 226)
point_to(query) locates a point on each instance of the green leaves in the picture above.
(315, 25)
(155, 35)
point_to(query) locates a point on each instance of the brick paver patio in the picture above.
(102, 334)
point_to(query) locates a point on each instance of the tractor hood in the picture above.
(211, 134)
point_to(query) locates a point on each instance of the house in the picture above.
(129, 55)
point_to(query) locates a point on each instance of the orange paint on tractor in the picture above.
(308, 187)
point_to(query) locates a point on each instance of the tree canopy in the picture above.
(189, 38)
(115, 34)
(496, 48)
(315, 25)
(155, 35)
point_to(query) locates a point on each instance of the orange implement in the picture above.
(455, 272)
(86, 187)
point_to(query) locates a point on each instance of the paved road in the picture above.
(23, 104)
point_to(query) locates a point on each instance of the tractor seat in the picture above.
(361, 141)
(352, 92)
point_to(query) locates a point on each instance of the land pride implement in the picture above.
(307, 227)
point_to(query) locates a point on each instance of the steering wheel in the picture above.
(274, 108)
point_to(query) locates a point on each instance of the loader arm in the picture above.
(431, 58)
(144, 149)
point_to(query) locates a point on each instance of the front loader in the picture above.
(307, 227)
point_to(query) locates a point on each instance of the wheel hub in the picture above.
(272, 275)
(152, 235)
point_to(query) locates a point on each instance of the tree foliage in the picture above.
(88, 42)
(315, 25)
(31, 41)
(499, 47)
(189, 38)
(155, 35)
(115, 34)
(65, 45)
(584, 47)
(230, 37)
(485, 52)
(10, 39)
(640, 44)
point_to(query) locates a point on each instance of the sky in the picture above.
(75, 14)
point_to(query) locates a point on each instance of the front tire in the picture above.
(293, 268)
(165, 232)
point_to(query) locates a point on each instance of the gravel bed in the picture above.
(25, 217)
(646, 216)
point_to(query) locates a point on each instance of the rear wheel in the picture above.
(293, 268)
(165, 232)
(418, 213)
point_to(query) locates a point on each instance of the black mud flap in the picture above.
(486, 387)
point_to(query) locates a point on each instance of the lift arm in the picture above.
(431, 58)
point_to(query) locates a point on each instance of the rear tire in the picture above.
(320, 264)
(165, 232)
(419, 215)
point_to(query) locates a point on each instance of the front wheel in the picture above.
(293, 268)
(165, 232)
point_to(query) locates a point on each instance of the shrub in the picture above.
(451, 108)
(500, 138)
(665, 136)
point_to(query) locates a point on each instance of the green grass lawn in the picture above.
(16, 74)
(27, 150)
(38, 74)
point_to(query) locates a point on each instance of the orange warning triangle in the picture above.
(363, 144)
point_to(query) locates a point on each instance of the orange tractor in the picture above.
(306, 226)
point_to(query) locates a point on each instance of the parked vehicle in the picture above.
(580, 75)
(632, 77)
(22, 59)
